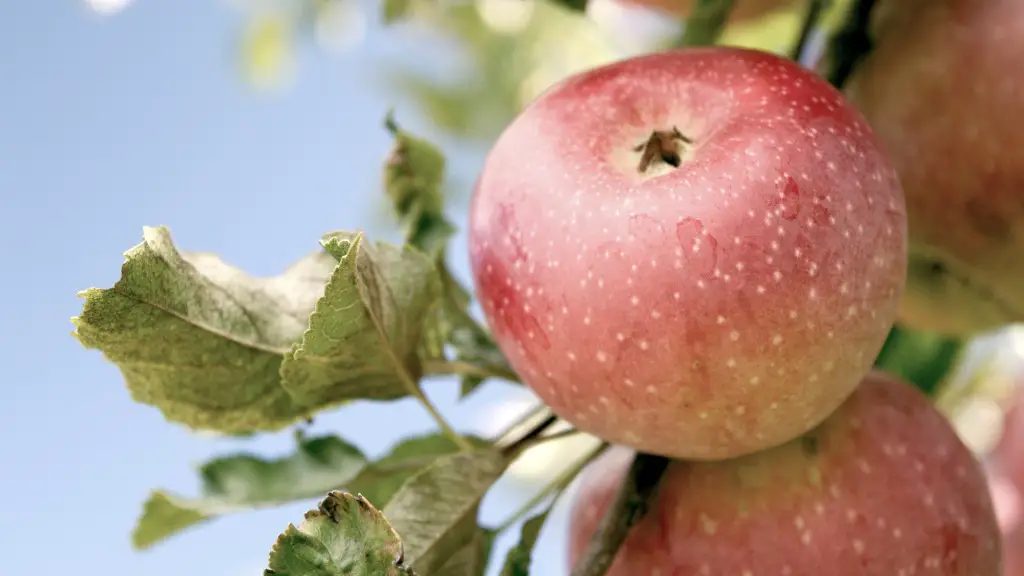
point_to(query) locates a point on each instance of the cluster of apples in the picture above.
(699, 254)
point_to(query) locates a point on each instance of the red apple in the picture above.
(884, 487)
(944, 89)
(703, 311)
(742, 9)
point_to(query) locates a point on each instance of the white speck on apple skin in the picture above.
(668, 275)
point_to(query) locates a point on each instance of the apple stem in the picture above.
(631, 503)
(705, 24)
(661, 145)
(851, 43)
(815, 8)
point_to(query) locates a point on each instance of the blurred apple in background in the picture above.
(944, 89)
(987, 409)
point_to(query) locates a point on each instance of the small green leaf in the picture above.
(923, 359)
(517, 562)
(365, 332)
(244, 481)
(201, 340)
(346, 535)
(413, 180)
(435, 510)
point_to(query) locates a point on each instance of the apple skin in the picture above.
(742, 10)
(883, 487)
(702, 312)
(1007, 479)
(943, 90)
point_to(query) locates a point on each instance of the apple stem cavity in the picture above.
(630, 505)
(661, 145)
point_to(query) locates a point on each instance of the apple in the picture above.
(742, 9)
(883, 487)
(943, 90)
(695, 253)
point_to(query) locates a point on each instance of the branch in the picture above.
(525, 441)
(705, 24)
(851, 43)
(629, 506)
(815, 8)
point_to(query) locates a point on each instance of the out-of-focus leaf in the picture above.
(245, 481)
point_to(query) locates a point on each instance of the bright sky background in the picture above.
(140, 118)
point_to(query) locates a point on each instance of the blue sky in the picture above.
(109, 124)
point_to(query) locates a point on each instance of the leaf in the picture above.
(364, 333)
(381, 480)
(201, 340)
(245, 481)
(517, 562)
(267, 51)
(346, 535)
(413, 180)
(923, 359)
(472, 559)
(435, 510)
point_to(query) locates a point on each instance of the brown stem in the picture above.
(627, 509)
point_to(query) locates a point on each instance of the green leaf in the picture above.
(472, 558)
(201, 340)
(435, 510)
(346, 535)
(245, 481)
(517, 562)
(923, 359)
(320, 464)
(413, 180)
(365, 331)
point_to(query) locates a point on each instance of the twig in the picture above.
(524, 441)
(705, 24)
(851, 43)
(557, 486)
(627, 509)
(815, 8)
(458, 368)
(537, 414)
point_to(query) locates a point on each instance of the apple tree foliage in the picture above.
(216, 349)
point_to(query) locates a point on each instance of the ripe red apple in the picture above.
(883, 487)
(742, 9)
(944, 89)
(701, 311)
